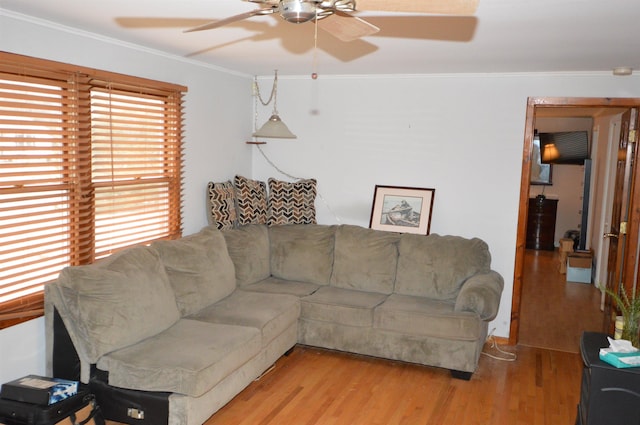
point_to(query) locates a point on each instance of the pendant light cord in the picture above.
(324, 201)
(274, 92)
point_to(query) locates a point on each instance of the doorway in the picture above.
(537, 107)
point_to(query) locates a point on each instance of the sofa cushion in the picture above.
(272, 314)
(426, 317)
(343, 306)
(251, 201)
(436, 266)
(365, 259)
(189, 358)
(199, 268)
(302, 252)
(118, 301)
(222, 205)
(291, 203)
(248, 248)
(273, 285)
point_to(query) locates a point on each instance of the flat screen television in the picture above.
(566, 147)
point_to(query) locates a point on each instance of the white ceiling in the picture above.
(503, 36)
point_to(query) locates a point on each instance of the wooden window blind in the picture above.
(90, 163)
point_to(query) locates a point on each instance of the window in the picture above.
(90, 163)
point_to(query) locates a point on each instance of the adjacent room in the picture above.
(484, 146)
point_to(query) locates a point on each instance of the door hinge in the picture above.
(623, 227)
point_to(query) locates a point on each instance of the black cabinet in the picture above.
(608, 395)
(541, 223)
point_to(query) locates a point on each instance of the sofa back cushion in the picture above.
(302, 252)
(365, 259)
(199, 269)
(118, 301)
(436, 266)
(248, 248)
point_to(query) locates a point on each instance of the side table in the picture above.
(608, 395)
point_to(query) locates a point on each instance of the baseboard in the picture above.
(501, 340)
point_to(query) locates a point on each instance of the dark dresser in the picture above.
(541, 223)
(608, 395)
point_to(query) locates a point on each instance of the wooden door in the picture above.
(622, 260)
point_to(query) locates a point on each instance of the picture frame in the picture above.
(402, 209)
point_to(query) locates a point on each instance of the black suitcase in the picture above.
(131, 406)
(80, 409)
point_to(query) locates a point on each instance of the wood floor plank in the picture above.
(555, 312)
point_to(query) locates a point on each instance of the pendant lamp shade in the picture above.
(275, 128)
(550, 153)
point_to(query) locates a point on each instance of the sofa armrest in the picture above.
(481, 294)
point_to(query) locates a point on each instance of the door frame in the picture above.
(533, 104)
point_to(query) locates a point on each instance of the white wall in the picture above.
(218, 110)
(460, 134)
(22, 350)
(567, 188)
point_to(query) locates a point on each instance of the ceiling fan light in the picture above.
(274, 128)
(297, 11)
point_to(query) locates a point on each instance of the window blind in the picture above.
(88, 166)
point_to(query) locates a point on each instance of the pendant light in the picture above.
(274, 128)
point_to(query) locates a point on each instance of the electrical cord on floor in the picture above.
(504, 356)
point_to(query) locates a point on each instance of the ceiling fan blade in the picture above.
(346, 27)
(444, 7)
(231, 19)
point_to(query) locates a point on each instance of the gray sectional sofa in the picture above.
(171, 332)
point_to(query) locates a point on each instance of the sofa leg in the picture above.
(458, 374)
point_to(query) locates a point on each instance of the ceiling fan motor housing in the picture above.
(297, 11)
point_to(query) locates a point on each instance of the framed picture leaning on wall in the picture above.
(402, 209)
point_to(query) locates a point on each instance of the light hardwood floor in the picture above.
(313, 386)
(555, 312)
(320, 387)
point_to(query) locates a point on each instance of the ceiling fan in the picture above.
(342, 24)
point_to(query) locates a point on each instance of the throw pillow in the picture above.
(222, 205)
(251, 201)
(292, 203)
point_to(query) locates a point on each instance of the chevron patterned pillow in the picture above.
(251, 201)
(222, 205)
(292, 203)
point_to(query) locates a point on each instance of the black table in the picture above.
(609, 395)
